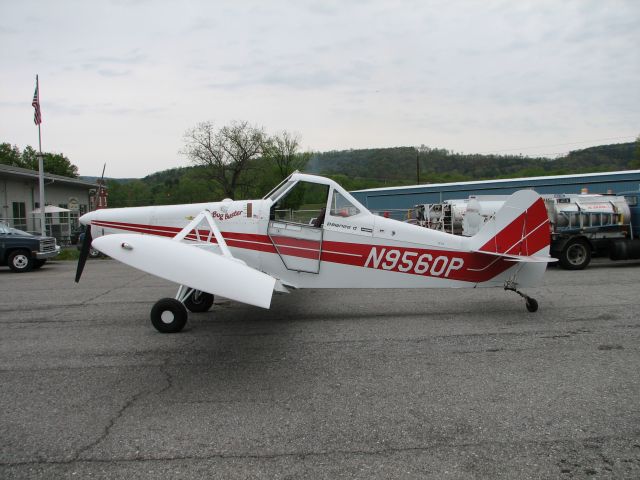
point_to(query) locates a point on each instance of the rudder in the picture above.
(519, 228)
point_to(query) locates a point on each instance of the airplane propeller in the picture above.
(84, 252)
(86, 244)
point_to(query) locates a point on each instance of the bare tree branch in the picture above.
(226, 153)
(282, 150)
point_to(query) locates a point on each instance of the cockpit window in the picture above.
(303, 204)
(283, 188)
(341, 207)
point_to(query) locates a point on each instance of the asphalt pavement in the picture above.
(326, 384)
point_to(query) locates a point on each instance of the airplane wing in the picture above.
(188, 265)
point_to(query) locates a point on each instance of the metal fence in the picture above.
(400, 214)
(305, 216)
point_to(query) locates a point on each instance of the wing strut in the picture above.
(193, 224)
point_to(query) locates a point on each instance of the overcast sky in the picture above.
(122, 80)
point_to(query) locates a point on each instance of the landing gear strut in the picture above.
(169, 315)
(199, 301)
(530, 303)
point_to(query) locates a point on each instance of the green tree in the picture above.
(132, 194)
(282, 150)
(55, 163)
(58, 164)
(10, 155)
(635, 163)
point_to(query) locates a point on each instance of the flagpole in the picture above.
(43, 227)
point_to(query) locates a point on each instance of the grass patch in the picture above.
(67, 254)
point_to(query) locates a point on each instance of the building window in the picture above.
(19, 215)
(64, 216)
(83, 209)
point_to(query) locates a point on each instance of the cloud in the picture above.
(4, 30)
(294, 73)
(201, 24)
(107, 72)
(12, 104)
(104, 108)
(134, 57)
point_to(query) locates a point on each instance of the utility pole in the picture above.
(421, 149)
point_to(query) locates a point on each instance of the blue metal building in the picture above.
(395, 198)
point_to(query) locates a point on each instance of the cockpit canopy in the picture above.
(305, 199)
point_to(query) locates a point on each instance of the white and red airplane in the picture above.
(311, 233)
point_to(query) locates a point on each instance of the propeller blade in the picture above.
(84, 252)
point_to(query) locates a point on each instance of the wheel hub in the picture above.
(576, 254)
(20, 261)
(167, 316)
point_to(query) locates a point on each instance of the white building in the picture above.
(20, 196)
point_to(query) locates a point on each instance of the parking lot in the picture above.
(325, 384)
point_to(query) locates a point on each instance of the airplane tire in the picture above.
(199, 302)
(168, 315)
(532, 304)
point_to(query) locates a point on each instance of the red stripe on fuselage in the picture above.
(476, 267)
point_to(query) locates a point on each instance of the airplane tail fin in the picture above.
(518, 232)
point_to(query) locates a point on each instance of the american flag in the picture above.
(37, 116)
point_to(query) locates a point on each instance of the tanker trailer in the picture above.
(587, 225)
(581, 226)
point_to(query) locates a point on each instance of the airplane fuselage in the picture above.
(362, 251)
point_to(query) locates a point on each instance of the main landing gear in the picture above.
(530, 303)
(169, 315)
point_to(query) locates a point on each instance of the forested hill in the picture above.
(438, 165)
(358, 169)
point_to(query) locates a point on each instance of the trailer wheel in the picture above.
(575, 255)
(169, 315)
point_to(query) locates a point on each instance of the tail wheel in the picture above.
(169, 315)
(532, 304)
(575, 255)
(199, 301)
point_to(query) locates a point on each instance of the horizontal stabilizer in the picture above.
(190, 266)
(520, 258)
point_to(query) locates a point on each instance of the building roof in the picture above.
(13, 171)
(498, 181)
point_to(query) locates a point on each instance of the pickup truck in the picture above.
(21, 251)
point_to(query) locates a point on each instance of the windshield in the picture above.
(303, 203)
(7, 230)
(15, 231)
(285, 186)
